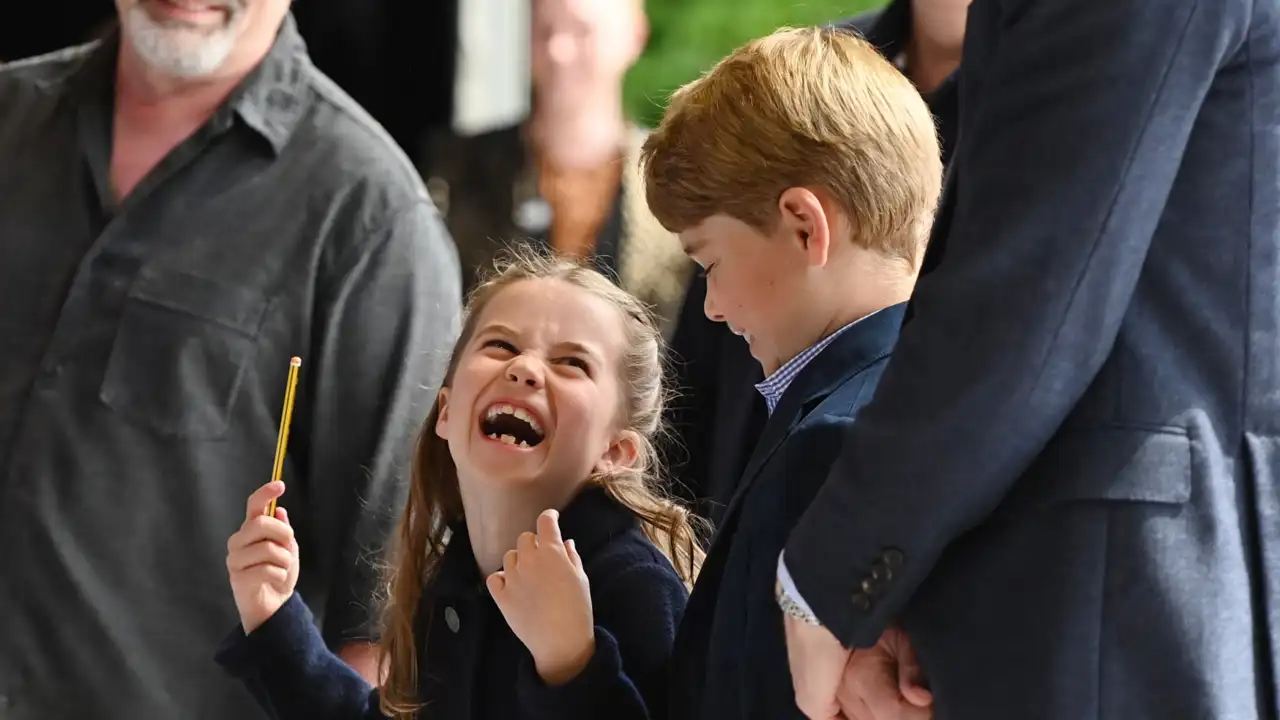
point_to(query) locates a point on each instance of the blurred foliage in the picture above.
(688, 36)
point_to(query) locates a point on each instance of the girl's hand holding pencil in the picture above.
(262, 559)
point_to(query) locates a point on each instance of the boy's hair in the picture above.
(810, 107)
(434, 500)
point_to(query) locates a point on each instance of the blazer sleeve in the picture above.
(1070, 152)
(626, 678)
(292, 674)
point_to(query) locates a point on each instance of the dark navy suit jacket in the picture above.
(1070, 465)
(730, 658)
(472, 667)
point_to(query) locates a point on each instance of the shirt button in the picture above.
(451, 619)
(862, 601)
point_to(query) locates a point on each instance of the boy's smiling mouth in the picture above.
(512, 425)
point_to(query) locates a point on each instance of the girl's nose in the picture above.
(526, 371)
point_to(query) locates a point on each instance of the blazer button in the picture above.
(893, 558)
(862, 601)
(451, 619)
(872, 586)
(881, 572)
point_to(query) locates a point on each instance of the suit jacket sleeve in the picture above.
(1078, 131)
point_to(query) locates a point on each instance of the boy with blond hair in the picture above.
(801, 173)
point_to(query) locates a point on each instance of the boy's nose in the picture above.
(709, 307)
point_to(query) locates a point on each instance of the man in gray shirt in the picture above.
(183, 207)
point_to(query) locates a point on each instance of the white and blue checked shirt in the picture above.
(776, 384)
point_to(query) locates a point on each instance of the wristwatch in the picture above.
(793, 609)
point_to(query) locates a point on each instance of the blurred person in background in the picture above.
(719, 414)
(568, 178)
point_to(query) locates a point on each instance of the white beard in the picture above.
(179, 51)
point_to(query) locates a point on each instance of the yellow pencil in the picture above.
(282, 441)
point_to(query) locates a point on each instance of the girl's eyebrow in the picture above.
(497, 328)
(577, 347)
(568, 345)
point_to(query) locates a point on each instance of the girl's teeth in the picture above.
(507, 440)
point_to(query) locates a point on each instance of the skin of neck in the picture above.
(579, 133)
(937, 41)
(497, 513)
(856, 283)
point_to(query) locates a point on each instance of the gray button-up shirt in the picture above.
(144, 349)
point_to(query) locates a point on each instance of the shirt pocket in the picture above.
(181, 352)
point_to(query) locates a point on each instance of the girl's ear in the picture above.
(622, 453)
(442, 420)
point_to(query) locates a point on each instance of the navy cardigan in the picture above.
(471, 666)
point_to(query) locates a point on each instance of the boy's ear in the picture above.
(805, 222)
(442, 420)
(622, 453)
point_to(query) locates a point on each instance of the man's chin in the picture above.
(177, 49)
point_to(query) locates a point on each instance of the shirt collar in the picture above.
(775, 386)
(271, 100)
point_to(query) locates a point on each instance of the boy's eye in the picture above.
(501, 345)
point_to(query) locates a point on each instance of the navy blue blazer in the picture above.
(1067, 488)
(472, 667)
(718, 416)
(730, 658)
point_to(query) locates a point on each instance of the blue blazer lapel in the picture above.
(846, 357)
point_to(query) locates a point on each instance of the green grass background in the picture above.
(688, 36)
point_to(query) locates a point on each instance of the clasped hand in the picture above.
(883, 682)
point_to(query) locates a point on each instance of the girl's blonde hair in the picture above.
(434, 500)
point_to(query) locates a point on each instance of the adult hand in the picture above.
(884, 682)
(818, 663)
